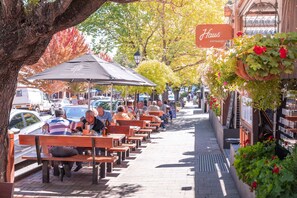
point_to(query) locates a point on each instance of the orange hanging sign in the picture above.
(213, 35)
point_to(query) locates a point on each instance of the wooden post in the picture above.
(10, 158)
(255, 130)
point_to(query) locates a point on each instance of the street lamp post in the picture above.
(137, 57)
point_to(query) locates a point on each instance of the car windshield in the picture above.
(105, 105)
(75, 112)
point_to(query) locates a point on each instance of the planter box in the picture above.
(6, 190)
(222, 133)
(243, 189)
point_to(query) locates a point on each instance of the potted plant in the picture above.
(264, 57)
(259, 167)
(254, 66)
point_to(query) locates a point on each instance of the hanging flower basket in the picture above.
(263, 58)
(241, 71)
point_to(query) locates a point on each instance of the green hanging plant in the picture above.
(253, 65)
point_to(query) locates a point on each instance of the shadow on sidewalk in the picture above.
(124, 190)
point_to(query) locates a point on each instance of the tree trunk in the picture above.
(8, 79)
(176, 94)
(165, 95)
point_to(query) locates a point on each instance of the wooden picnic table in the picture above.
(102, 142)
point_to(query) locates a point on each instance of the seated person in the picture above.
(129, 113)
(153, 107)
(103, 115)
(61, 126)
(120, 115)
(165, 108)
(95, 126)
(130, 108)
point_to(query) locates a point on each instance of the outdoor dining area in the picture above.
(116, 144)
(116, 140)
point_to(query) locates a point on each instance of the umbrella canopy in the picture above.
(87, 68)
(142, 81)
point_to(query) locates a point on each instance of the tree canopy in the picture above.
(161, 30)
(64, 45)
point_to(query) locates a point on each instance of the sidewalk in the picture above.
(184, 161)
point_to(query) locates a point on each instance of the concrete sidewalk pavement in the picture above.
(183, 161)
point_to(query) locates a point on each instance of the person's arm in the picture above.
(45, 128)
(109, 117)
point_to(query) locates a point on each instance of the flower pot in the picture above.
(241, 71)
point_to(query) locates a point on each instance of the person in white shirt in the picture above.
(153, 107)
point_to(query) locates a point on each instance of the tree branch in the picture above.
(190, 65)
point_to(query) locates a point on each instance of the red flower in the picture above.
(247, 141)
(259, 50)
(275, 169)
(270, 138)
(225, 83)
(283, 52)
(239, 34)
(274, 157)
(254, 185)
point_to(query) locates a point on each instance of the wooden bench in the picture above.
(93, 142)
(129, 132)
(139, 123)
(156, 113)
(152, 119)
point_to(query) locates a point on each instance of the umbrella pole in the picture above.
(89, 94)
(126, 97)
(111, 98)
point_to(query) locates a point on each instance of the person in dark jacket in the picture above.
(95, 126)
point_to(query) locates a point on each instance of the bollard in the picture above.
(10, 158)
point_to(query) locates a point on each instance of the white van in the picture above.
(32, 99)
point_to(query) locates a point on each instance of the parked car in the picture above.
(106, 104)
(143, 97)
(24, 122)
(60, 103)
(75, 112)
(32, 99)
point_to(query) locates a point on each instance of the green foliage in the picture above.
(219, 74)
(269, 59)
(264, 172)
(291, 163)
(261, 78)
(158, 73)
(160, 30)
(265, 94)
